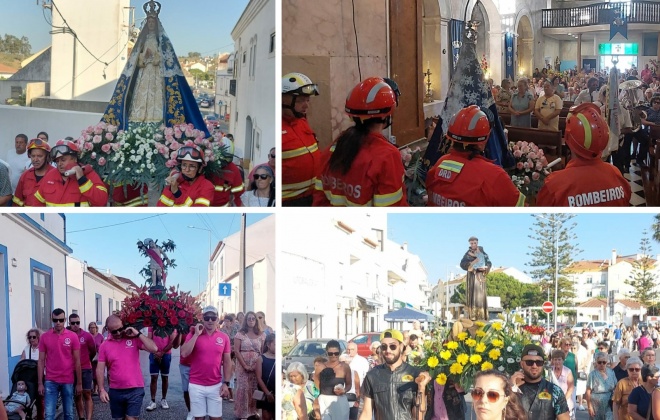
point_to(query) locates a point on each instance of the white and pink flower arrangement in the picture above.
(530, 169)
(146, 153)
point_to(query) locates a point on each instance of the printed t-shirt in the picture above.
(59, 355)
(206, 358)
(122, 358)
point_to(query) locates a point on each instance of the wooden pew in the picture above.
(551, 142)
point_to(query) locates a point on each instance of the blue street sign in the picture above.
(224, 290)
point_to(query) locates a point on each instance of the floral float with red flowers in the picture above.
(164, 312)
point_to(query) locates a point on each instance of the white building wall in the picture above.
(106, 38)
(254, 117)
(26, 244)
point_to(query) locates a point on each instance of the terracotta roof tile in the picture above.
(588, 265)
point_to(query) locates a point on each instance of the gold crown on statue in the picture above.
(152, 8)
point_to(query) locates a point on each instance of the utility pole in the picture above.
(241, 272)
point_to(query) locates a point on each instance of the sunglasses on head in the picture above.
(74, 322)
(634, 369)
(478, 393)
(260, 176)
(392, 347)
(538, 363)
(59, 320)
(118, 330)
(210, 318)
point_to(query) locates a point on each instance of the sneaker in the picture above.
(164, 404)
(152, 406)
(581, 408)
(190, 417)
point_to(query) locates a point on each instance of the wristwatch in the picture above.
(227, 383)
(138, 334)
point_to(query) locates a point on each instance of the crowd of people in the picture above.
(592, 371)
(224, 357)
(37, 174)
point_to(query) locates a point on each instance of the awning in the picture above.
(369, 302)
(408, 314)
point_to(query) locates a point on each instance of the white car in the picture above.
(590, 325)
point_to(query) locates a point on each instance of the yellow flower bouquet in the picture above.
(458, 357)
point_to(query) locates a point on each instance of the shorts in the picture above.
(205, 400)
(126, 402)
(87, 379)
(162, 367)
(185, 377)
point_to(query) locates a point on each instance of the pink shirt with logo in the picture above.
(206, 358)
(122, 358)
(59, 349)
(161, 342)
(87, 346)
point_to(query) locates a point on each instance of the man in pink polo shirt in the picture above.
(159, 362)
(87, 353)
(207, 350)
(59, 353)
(121, 353)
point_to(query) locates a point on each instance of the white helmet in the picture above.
(298, 84)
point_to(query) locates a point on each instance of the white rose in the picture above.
(509, 360)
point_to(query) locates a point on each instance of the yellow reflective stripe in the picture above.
(237, 189)
(102, 188)
(341, 200)
(294, 190)
(203, 201)
(186, 203)
(138, 201)
(86, 186)
(318, 185)
(384, 200)
(587, 130)
(333, 147)
(220, 188)
(18, 201)
(166, 201)
(451, 165)
(38, 196)
(300, 151)
(521, 200)
(81, 204)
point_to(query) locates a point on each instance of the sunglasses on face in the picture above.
(272, 156)
(538, 363)
(74, 322)
(634, 369)
(32, 337)
(117, 331)
(602, 362)
(260, 176)
(58, 320)
(210, 318)
(478, 393)
(392, 347)
(333, 353)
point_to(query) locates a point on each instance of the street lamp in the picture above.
(555, 232)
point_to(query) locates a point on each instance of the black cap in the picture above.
(533, 350)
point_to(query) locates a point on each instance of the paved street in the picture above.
(177, 408)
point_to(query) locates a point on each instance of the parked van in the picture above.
(590, 325)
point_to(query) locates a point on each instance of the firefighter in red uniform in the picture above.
(228, 184)
(363, 168)
(187, 187)
(301, 157)
(71, 185)
(39, 153)
(464, 177)
(587, 180)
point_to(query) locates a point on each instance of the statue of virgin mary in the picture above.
(152, 87)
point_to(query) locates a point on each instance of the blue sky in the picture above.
(114, 246)
(205, 27)
(441, 239)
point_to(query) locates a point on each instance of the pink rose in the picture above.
(109, 136)
(515, 147)
(106, 147)
(525, 149)
(98, 130)
(173, 155)
(168, 131)
(189, 143)
(198, 141)
(177, 133)
(189, 133)
(517, 153)
(536, 176)
(540, 153)
(169, 138)
(101, 161)
(519, 165)
(89, 146)
(116, 146)
(530, 163)
(519, 144)
(544, 161)
(171, 163)
(111, 128)
(175, 145)
(97, 139)
(532, 155)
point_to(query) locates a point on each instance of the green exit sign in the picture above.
(618, 49)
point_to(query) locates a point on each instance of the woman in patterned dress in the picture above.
(600, 387)
(247, 347)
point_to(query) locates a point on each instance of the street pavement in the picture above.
(177, 410)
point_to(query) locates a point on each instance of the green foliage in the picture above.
(512, 292)
(642, 279)
(544, 256)
(166, 247)
(656, 228)
(19, 47)
(194, 54)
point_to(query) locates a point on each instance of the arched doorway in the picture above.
(432, 45)
(524, 48)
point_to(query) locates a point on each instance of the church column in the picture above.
(579, 52)
(446, 58)
(496, 59)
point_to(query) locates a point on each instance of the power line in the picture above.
(115, 224)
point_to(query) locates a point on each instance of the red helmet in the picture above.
(586, 133)
(38, 144)
(191, 154)
(64, 147)
(371, 98)
(469, 125)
